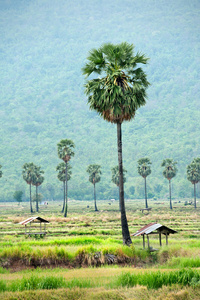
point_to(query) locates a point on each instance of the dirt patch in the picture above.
(81, 261)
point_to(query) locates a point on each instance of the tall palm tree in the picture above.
(115, 177)
(28, 173)
(37, 181)
(62, 177)
(65, 152)
(116, 96)
(193, 175)
(169, 172)
(94, 177)
(144, 169)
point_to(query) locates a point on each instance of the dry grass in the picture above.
(136, 293)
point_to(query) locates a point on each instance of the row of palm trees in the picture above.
(170, 171)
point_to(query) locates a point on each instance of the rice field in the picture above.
(82, 256)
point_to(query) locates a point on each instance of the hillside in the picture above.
(43, 47)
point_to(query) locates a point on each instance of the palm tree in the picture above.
(94, 177)
(116, 96)
(115, 177)
(65, 152)
(169, 172)
(28, 173)
(37, 181)
(144, 169)
(193, 175)
(62, 177)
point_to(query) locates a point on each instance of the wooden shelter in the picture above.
(31, 226)
(154, 228)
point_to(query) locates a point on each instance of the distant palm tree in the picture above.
(169, 172)
(144, 169)
(28, 173)
(37, 181)
(115, 177)
(62, 177)
(94, 177)
(193, 175)
(65, 152)
(1, 173)
(116, 96)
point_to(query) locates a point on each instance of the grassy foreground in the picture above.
(84, 252)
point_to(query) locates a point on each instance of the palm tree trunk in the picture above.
(63, 197)
(65, 213)
(124, 223)
(170, 195)
(145, 186)
(37, 209)
(31, 209)
(95, 202)
(195, 202)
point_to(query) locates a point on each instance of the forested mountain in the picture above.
(43, 46)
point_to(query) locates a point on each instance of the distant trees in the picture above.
(193, 175)
(116, 96)
(61, 168)
(18, 196)
(38, 179)
(28, 173)
(170, 171)
(115, 177)
(144, 169)
(33, 175)
(94, 177)
(1, 173)
(65, 152)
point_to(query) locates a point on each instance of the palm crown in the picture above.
(170, 169)
(61, 171)
(122, 89)
(144, 168)
(28, 172)
(65, 149)
(115, 175)
(193, 172)
(37, 179)
(94, 173)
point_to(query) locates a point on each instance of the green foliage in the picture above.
(144, 168)
(65, 149)
(170, 168)
(122, 90)
(18, 196)
(94, 173)
(193, 171)
(115, 175)
(61, 168)
(38, 178)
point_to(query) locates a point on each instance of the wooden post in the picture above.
(160, 239)
(166, 238)
(143, 241)
(40, 227)
(148, 240)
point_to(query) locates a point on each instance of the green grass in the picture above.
(152, 280)
(155, 280)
